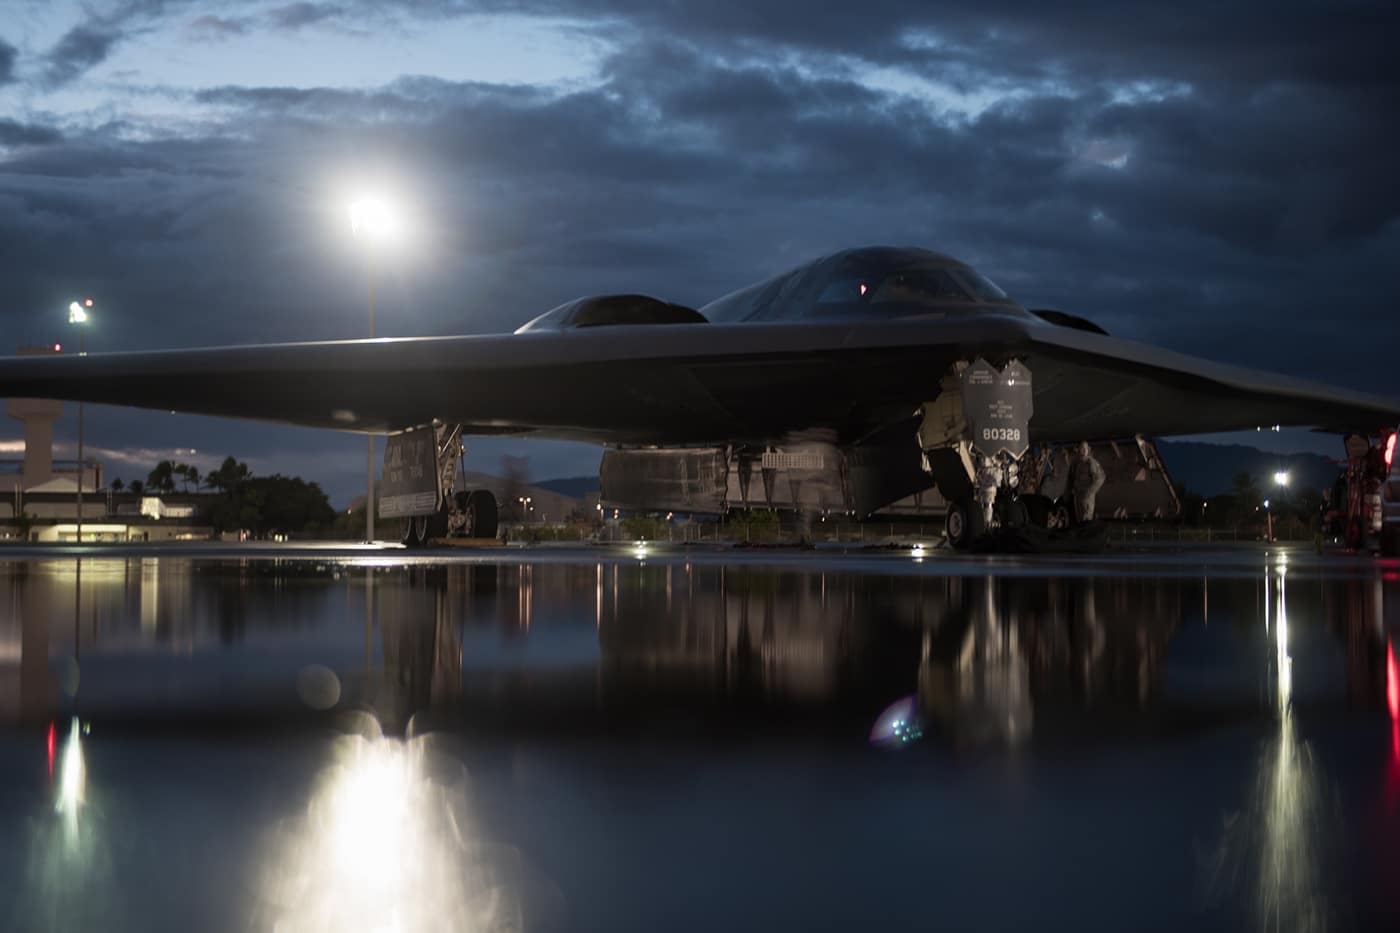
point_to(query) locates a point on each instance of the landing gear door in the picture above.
(409, 486)
(998, 407)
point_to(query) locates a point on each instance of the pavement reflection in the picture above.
(386, 843)
(471, 740)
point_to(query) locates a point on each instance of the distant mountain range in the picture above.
(1205, 469)
(1209, 469)
(575, 487)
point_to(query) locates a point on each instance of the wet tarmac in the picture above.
(643, 738)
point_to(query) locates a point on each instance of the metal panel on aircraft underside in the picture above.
(688, 480)
(409, 485)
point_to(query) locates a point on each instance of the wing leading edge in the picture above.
(669, 384)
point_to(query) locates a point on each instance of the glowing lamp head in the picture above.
(1281, 478)
(371, 218)
(77, 314)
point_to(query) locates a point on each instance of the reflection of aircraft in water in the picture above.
(1009, 645)
(979, 652)
(864, 377)
(986, 660)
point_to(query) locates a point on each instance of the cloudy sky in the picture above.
(1218, 179)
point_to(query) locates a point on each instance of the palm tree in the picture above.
(229, 476)
(117, 484)
(136, 488)
(193, 473)
(162, 478)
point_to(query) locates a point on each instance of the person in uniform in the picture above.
(989, 479)
(1086, 479)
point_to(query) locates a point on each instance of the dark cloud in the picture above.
(297, 15)
(13, 133)
(8, 55)
(80, 49)
(1208, 180)
(211, 28)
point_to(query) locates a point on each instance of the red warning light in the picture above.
(87, 302)
(58, 348)
(1392, 682)
(53, 743)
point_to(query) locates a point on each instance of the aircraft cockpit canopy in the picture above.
(611, 310)
(878, 281)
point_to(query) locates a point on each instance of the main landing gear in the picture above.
(460, 513)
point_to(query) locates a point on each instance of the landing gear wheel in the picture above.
(421, 529)
(1058, 519)
(481, 514)
(959, 525)
(1014, 514)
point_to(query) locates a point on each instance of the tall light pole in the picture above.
(78, 315)
(373, 221)
(1281, 479)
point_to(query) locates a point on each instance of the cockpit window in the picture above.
(981, 286)
(905, 286)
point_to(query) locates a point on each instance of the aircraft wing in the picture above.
(698, 383)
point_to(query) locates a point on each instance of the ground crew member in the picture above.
(1086, 479)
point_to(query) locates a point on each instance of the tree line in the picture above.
(261, 505)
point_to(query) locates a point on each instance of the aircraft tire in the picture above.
(1014, 514)
(406, 535)
(482, 515)
(958, 525)
(1038, 509)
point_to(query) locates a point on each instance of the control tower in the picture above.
(38, 471)
(38, 416)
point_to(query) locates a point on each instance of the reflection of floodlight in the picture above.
(1281, 478)
(72, 779)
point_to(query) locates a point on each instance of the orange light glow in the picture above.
(1389, 450)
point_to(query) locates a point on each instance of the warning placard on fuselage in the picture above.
(998, 407)
(409, 486)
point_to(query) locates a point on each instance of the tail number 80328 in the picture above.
(1001, 434)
